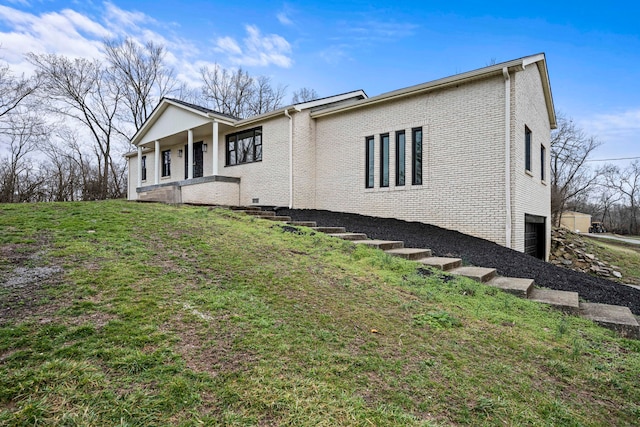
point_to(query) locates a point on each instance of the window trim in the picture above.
(417, 157)
(369, 166)
(384, 163)
(527, 149)
(256, 154)
(166, 163)
(401, 160)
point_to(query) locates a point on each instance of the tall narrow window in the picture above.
(400, 158)
(369, 167)
(166, 163)
(527, 149)
(143, 172)
(543, 156)
(384, 160)
(416, 156)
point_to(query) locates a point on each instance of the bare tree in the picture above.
(304, 94)
(264, 96)
(627, 183)
(83, 91)
(13, 90)
(142, 75)
(236, 93)
(570, 177)
(22, 134)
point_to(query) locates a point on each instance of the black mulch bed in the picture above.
(478, 252)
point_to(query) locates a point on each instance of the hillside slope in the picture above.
(116, 313)
(479, 252)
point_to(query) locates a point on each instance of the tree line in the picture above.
(609, 193)
(64, 130)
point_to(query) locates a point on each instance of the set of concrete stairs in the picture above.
(613, 317)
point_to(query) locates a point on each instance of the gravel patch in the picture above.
(478, 252)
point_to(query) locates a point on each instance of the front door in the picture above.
(198, 159)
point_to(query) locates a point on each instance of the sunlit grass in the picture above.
(189, 316)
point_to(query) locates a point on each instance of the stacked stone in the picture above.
(569, 250)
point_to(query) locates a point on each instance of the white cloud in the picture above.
(284, 19)
(258, 50)
(617, 132)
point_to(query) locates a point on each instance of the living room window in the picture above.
(400, 158)
(244, 147)
(416, 156)
(384, 160)
(166, 163)
(369, 162)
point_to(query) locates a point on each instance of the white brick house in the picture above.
(468, 152)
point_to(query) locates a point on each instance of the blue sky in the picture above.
(593, 51)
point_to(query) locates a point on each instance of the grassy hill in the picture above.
(115, 313)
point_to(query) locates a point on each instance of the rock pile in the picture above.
(569, 250)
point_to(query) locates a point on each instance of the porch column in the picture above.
(139, 183)
(157, 160)
(190, 155)
(214, 149)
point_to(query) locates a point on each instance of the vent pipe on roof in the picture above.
(507, 155)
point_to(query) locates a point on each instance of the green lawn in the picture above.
(116, 313)
(621, 254)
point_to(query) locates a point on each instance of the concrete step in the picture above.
(441, 263)
(349, 236)
(382, 244)
(513, 285)
(304, 223)
(255, 212)
(480, 274)
(245, 208)
(615, 317)
(276, 218)
(562, 300)
(330, 229)
(410, 253)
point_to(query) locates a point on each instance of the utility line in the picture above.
(610, 160)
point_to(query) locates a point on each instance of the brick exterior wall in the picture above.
(463, 159)
(531, 195)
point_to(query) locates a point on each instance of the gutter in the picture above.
(286, 113)
(507, 154)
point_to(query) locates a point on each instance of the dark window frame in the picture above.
(384, 160)
(369, 167)
(417, 149)
(401, 158)
(166, 163)
(543, 155)
(527, 149)
(143, 168)
(251, 139)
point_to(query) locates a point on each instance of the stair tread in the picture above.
(562, 299)
(515, 285)
(606, 313)
(349, 236)
(481, 274)
(382, 244)
(443, 263)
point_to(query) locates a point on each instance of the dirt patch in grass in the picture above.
(478, 252)
(23, 282)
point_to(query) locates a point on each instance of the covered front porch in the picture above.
(179, 156)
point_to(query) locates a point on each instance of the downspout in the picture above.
(507, 154)
(286, 113)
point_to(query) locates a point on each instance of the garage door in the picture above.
(535, 235)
